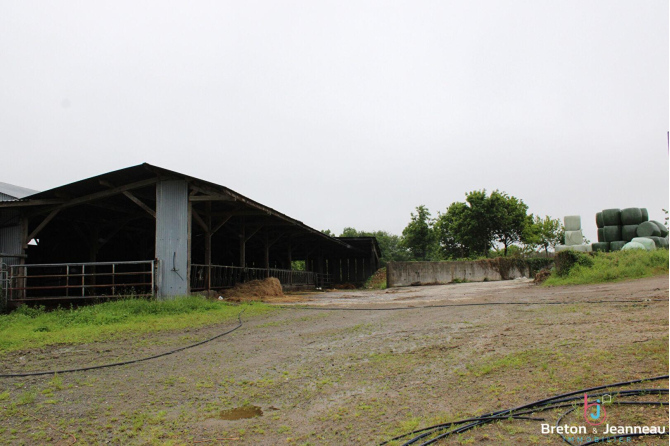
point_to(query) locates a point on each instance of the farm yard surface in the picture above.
(341, 373)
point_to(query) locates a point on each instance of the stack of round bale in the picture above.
(574, 239)
(629, 228)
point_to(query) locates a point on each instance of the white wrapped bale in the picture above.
(573, 238)
(657, 241)
(617, 245)
(572, 222)
(579, 248)
(631, 216)
(648, 228)
(648, 244)
(632, 245)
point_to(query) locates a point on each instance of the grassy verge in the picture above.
(614, 266)
(33, 327)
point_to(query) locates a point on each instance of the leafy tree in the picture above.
(351, 232)
(391, 247)
(509, 217)
(418, 235)
(474, 227)
(545, 232)
(451, 234)
(389, 244)
(328, 232)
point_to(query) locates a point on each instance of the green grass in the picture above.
(615, 266)
(34, 327)
(377, 281)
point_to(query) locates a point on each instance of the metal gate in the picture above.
(59, 281)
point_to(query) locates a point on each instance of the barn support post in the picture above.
(208, 243)
(290, 262)
(353, 270)
(243, 242)
(24, 246)
(319, 269)
(173, 216)
(266, 257)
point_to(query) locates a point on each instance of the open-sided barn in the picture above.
(148, 230)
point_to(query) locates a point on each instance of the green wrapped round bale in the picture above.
(632, 245)
(612, 233)
(648, 228)
(616, 246)
(600, 247)
(648, 243)
(664, 242)
(631, 216)
(599, 220)
(661, 227)
(601, 235)
(645, 214)
(612, 217)
(628, 232)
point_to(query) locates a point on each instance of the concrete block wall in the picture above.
(432, 273)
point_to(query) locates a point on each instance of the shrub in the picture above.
(566, 260)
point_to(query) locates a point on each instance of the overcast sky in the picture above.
(346, 113)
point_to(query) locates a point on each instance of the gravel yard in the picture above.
(342, 373)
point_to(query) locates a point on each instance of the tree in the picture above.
(389, 244)
(472, 228)
(418, 235)
(328, 232)
(546, 233)
(450, 232)
(509, 217)
(351, 232)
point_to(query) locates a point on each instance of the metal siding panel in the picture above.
(172, 237)
(10, 243)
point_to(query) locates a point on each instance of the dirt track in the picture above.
(354, 377)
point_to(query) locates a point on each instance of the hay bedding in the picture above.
(266, 290)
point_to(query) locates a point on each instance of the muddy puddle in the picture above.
(239, 413)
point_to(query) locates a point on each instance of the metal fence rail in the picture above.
(80, 280)
(205, 277)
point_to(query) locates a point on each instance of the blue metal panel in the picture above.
(172, 233)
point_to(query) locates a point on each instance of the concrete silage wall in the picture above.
(432, 273)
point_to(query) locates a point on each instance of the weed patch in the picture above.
(609, 267)
(33, 327)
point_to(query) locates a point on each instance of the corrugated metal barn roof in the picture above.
(15, 192)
